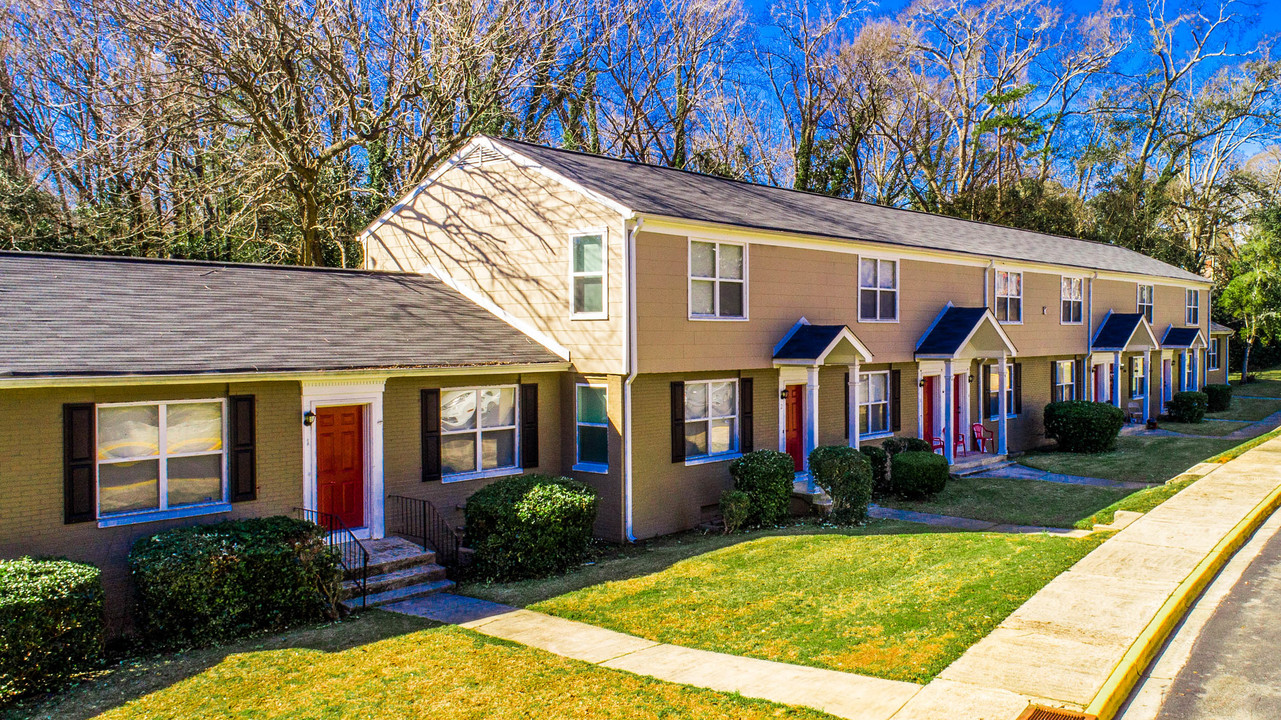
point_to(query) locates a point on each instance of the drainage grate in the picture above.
(1040, 712)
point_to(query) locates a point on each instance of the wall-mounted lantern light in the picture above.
(309, 418)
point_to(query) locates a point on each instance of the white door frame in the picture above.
(367, 392)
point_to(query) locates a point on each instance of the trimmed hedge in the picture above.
(846, 476)
(736, 507)
(1082, 426)
(915, 474)
(1188, 407)
(529, 526)
(892, 446)
(50, 623)
(880, 462)
(1219, 397)
(204, 584)
(913, 444)
(766, 476)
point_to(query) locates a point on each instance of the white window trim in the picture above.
(898, 291)
(1062, 299)
(997, 298)
(162, 481)
(513, 469)
(1138, 300)
(1188, 306)
(604, 275)
(1058, 377)
(716, 295)
(1139, 361)
(1214, 343)
(864, 401)
(738, 422)
(1009, 389)
(579, 465)
(366, 391)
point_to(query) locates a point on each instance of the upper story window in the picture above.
(711, 418)
(1064, 380)
(587, 275)
(1212, 354)
(874, 403)
(1193, 314)
(877, 290)
(155, 457)
(1071, 293)
(592, 422)
(717, 280)
(478, 432)
(1147, 301)
(1009, 296)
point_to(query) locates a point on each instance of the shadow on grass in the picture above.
(130, 678)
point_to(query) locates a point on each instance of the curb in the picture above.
(1119, 684)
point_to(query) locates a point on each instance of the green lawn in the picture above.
(1267, 384)
(383, 665)
(1014, 501)
(1217, 428)
(1248, 408)
(1136, 459)
(898, 606)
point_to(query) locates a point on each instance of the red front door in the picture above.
(927, 409)
(340, 463)
(796, 425)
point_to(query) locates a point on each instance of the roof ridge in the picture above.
(199, 263)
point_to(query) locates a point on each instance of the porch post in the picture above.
(811, 422)
(1003, 410)
(852, 399)
(1116, 379)
(1147, 384)
(920, 408)
(949, 397)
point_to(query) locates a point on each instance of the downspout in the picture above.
(629, 255)
(987, 283)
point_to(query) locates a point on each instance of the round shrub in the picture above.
(50, 623)
(892, 446)
(1219, 397)
(846, 476)
(736, 507)
(915, 474)
(767, 476)
(880, 463)
(203, 584)
(1082, 426)
(529, 526)
(1188, 407)
(916, 445)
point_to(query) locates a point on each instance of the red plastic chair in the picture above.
(936, 444)
(982, 437)
(958, 446)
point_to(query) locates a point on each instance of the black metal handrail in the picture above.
(420, 520)
(352, 554)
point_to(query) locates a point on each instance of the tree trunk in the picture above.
(1245, 361)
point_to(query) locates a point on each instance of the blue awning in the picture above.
(811, 344)
(1182, 338)
(956, 327)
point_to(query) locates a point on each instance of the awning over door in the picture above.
(1182, 339)
(806, 344)
(964, 332)
(1124, 332)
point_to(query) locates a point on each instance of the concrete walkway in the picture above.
(1061, 645)
(884, 513)
(1023, 472)
(842, 694)
(1249, 429)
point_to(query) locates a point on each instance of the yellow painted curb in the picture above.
(1126, 674)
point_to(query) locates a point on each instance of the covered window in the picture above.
(1064, 380)
(1146, 301)
(1189, 370)
(477, 431)
(877, 290)
(874, 403)
(993, 399)
(1212, 354)
(717, 281)
(711, 418)
(588, 275)
(1071, 294)
(593, 428)
(1138, 377)
(1009, 296)
(155, 457)
(1193, 308)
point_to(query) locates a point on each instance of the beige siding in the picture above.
(1042, 331)
(610, 523)
(504, 231)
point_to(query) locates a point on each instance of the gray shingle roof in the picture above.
(1179, 337)
(649, 189)
(1116, 331)
(73, 315)
(1219, 329)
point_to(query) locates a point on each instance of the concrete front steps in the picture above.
(963, 465)
(398, 570)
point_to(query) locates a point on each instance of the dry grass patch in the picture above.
(1014, 501)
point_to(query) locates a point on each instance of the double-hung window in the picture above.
(1138, 377)
(158, 457)
(1193, 310)
(1071, 293)
(717, 280)
(478, 432)
(711, 418)
(993, 399)
(587, 275)
(877, 290)
(1009, 296)
(592, 428)
(1212, 354)
(1064, 380)
(874, 403)
(1147, 301)
(1189, 370)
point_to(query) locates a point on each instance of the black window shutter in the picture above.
(1080, 379)
(79, 489)
(986, 379)
(244, 478)
(678, 422)
(1018, 388)
(1054, 380)
(846, 403)
(430, 412)
(528, 425)
(746, 439)
(896, 400)
(1129, 389)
